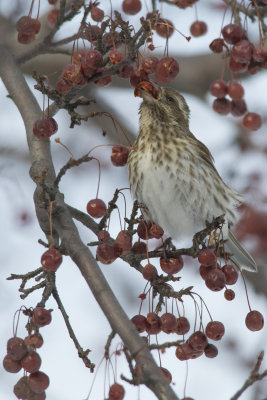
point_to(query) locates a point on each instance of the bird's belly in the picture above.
(176, 201)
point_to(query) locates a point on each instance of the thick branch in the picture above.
(67, 231)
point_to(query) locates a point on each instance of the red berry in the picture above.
(217, 45)
(252, 121)
(21, 389)
(126, 71)
(207, 257)
(92, 60)
(27, 25)
(31, 362)
(52, 17)
(215, 330)
(119, 155)
(222, 106)
(167, 69)
(149, 64)
(96, 208)
(97, 14)
(168, 322)
(153, 324)
(11, 365)
(138, 76)
(183, 326)
(38, 381)
(106, 253)
(24, 38)
(115, 56)
(211, 351)
(198, 341)
(34, 341)
(103, 236)
(184, 3)
(229, 294)
(167, 374)
(242, 51)
(45, 127)
(215, 280)
(164, 27)
(131, 6)
(259, 54)
(41, 316)
(232, 33)
(198, 28)
(103, 82)
(230, 273)
(238, 107)
(203, 270)
(91, 32)
(184, 352)
(123, 242)
(143, 230)
(139, 248)
(116, 392)
(171, 265)
(149, 272)
(72, 73)
(139, 322)
(236, 66)
(156, 231)
(51, 259)
(235, 90)
(218, 89)
(16, 348)
(63, 87)
(254, 320)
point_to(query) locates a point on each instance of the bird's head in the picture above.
(164, 104)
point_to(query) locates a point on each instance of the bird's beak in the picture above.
(147, 88)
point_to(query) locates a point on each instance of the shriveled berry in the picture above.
(222, 106)
(41, 316)
(52, 17)
(211, 351)
(252, 121)
(115, 56)
(149, 272)
(149, 64)
(236, 66)
(183, 326)
(131, 7)
(229, 294)
(242, 51)
(168, 322)
(139, 322)
(198, 28)
(126, 71)
(96, 208)
(143, 230)
(45, 127)
(156, 231)
(217, 45)
(230, 273)
(139, 248)
(215, 330)
(254, 320)
(31, 362)
(63, 86)
(215, 280)
(153, 324)
(51, 259)
(116, 392)
(16, 348)
(203, 270)
(218, 89)
(103, 236)
(167, 69)
(38, 381)
(166, 373)
(119, 155)
(207, 257)
(123, 242)
(198, 341)
(106, 253)
(171, 265)
(103, 82)
(259, 54)
(138, 76)
(11, 365)
(22, 389)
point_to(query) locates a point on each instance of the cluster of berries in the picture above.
(21, 353)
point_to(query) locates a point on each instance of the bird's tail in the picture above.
(240, 256)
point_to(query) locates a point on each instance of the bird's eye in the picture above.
(171, 99)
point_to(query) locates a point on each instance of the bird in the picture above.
(173, 174)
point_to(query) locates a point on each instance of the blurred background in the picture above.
(240, 157)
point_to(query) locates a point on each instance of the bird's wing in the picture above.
(240, 256)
